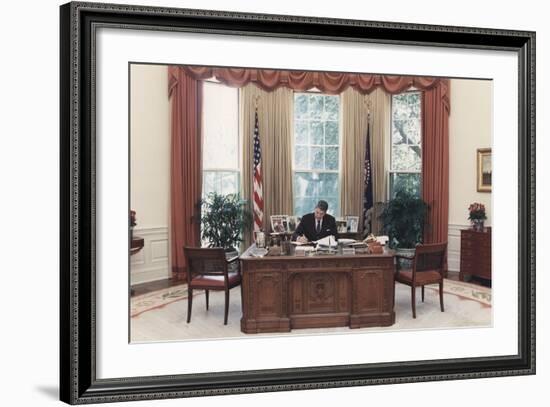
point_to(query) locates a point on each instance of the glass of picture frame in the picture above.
(86, 347)
(279, 223)
(352, 223)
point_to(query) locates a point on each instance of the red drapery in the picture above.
(435, 161)
(327, 82)
(186, 165)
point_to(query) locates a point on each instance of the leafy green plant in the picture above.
(403, 220)
(224, 220)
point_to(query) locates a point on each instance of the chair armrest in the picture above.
(398, 265)
(400, 256)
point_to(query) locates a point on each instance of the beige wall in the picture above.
(150, 170)
(150, 145)
(470, 128)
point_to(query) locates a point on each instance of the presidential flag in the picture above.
(258, 185)
(367, 197)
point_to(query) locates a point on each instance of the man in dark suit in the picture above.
(316, 225)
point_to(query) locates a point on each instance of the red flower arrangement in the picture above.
(477, 211)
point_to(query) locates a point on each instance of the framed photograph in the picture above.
(293, 222)
(279, 223)
(484, 169)
(116, 146)
(352, 224)
(341, 225)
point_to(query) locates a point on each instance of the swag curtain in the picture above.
(299, 81)
(275, 117)
(186, 165)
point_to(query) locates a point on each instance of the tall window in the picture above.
(316, 151)
(220, 129)
(406, 147)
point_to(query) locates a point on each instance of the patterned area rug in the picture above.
(466, 291)
(158, 299)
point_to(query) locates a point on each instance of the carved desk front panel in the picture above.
(281, 293)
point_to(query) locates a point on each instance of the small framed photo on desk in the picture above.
(341, 225)
(352, 223)
(279, 223)
(293, 222)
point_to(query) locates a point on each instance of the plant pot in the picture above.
(231, 252)
(405, 263)
(478, 225)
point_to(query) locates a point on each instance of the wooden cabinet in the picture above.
(281, 293)
(475, 253)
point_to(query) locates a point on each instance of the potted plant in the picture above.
(224, 220)
(477, 216)
(403, 220)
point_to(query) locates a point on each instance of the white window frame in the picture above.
(339, 146)
(391, 171)
(239, 168)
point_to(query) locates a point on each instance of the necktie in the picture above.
(318, 228)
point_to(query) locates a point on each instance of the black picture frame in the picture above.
(78, 381)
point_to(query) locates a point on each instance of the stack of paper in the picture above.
(303, 250)
(328, 241)
(348, 251)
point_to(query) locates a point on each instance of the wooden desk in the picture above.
(280, 293)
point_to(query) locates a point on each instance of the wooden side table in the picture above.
(136, 245)
(475, 253)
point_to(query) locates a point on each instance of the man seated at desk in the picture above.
(316, 225)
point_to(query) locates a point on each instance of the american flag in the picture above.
(367, 198)
(258, 188)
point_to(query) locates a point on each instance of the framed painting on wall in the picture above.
(484, 170)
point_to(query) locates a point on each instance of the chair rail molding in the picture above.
(153, 261)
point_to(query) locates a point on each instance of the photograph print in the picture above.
(218, 153)
(231, 120)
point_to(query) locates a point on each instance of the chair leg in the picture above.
(413, 300)
(207, 296)
(441, 295)
(189, 304)
(422, 293)
(226, 306)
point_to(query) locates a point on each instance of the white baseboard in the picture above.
(153, 261)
